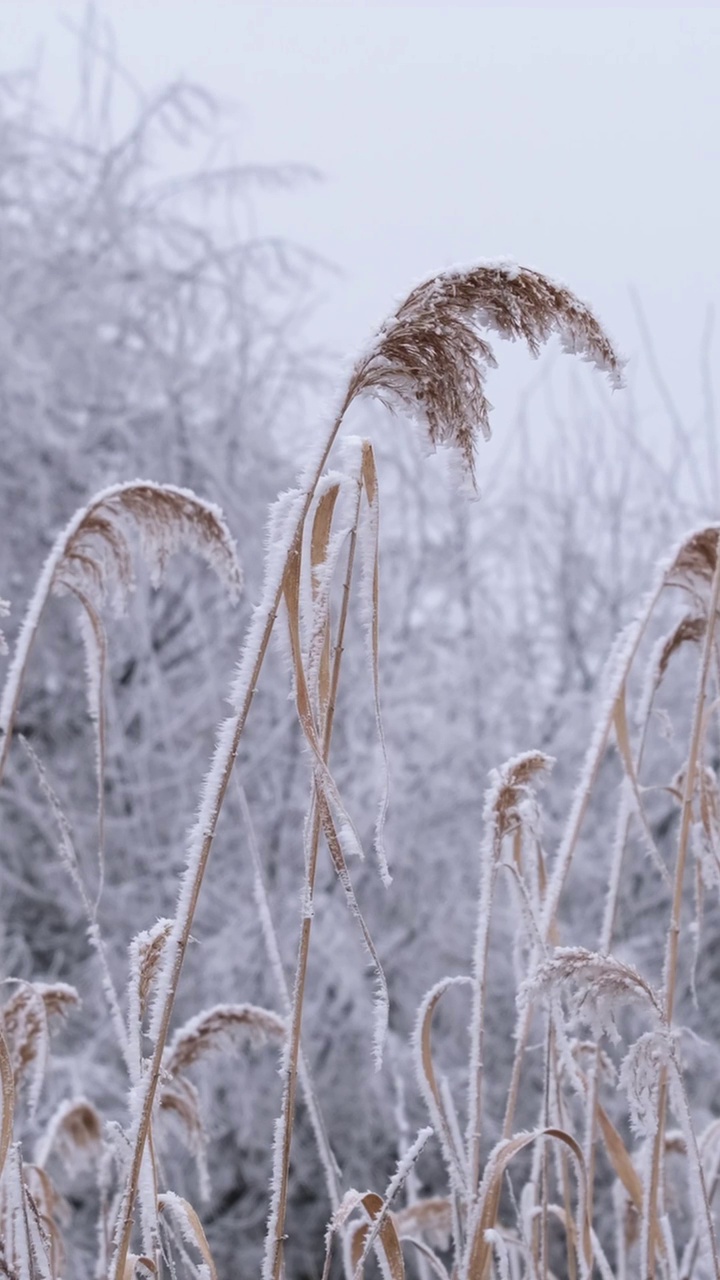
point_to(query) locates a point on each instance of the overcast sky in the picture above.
(582, 141)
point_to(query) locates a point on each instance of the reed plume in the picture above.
(432, 356)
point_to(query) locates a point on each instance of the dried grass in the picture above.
(432, 356)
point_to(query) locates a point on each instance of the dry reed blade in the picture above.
(478, 1257)
(620, 1158)
(7, 1082)
(370, 563)
(383, 1218)
(313, 731)
(427, 1079)
(371, 1205)
(321, 530)
(380, 1233)
(139, 1265)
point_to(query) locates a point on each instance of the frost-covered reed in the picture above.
(530, 1203)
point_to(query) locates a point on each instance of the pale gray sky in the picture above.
(582, 141)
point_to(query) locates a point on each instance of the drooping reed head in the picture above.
(695, 561)
(432, 357)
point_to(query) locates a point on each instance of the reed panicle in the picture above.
(432, 356)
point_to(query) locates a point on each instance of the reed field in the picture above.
(498, 1061)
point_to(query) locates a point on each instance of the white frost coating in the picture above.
(25, 1249)
(600, 1259)
(368, 546)
(435, 283)
(640, 1077)
(317, 457)
(30, 622)
(348, 838)
(345, 828)
(178, 1208)
(404, 1167)
(4, 613)
(351, 1201)
(147, 1201)
(700, 1210)
(95, 647)
(494, 1238)
(667, 1235)
(645, 1154)
(598, 986)
(350, 455)
(450, 1109)
(275, 1185)
(282, 529)
(407, 1162)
